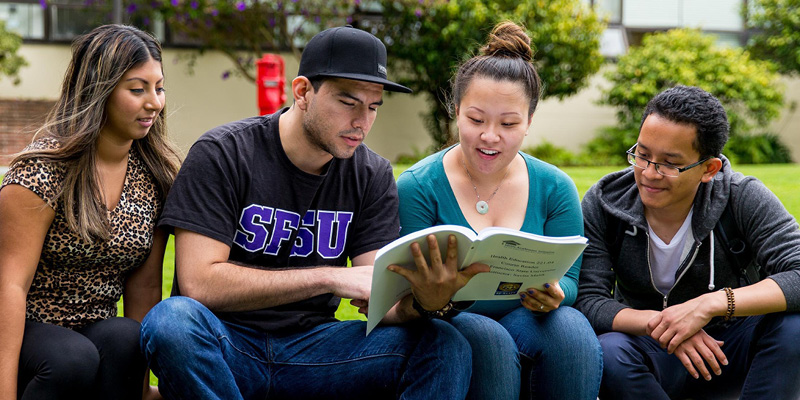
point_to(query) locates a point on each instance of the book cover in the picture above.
(518, 261)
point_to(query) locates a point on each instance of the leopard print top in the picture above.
(77, 282)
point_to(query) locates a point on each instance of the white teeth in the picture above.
(488, 152)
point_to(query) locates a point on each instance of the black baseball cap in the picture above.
(350, 53)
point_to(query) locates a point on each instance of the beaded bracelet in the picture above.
(731, 304)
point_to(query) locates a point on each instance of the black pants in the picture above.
(100, 361)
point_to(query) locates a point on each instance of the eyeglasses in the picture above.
(663, 169)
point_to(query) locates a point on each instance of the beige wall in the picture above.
(200, 101)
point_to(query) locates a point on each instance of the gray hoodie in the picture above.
(769, 229)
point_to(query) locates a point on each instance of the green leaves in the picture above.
(10, 62)
(749, 89)
(428, 46)
(776, 37)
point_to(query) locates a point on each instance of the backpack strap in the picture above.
(738, 252)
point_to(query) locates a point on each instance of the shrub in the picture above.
(757, 149)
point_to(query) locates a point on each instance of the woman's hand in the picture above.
(434, 284)
(543, 300)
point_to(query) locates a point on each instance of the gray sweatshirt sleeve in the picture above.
(773, 234)
(597, 277)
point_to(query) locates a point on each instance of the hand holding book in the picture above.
(434, 283)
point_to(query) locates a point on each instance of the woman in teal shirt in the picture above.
(486, 181)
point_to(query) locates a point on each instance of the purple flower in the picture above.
(226, 75)
(43, 3)
(357, 2)
(214, 12)
(349, 19)
(146, 21)
(272, 22)
(317, 19)
(194, 4)
(131, 8)
(418, 12)
(175, 3)
(241, 6)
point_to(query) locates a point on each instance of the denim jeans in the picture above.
(495, 367)
(763, 363)
(527, 355)
(559, 353)
(198, 356)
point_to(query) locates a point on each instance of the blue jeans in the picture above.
(763, 363)
(557, 352)
(198, 356)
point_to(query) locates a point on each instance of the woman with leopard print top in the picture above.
(78, 212)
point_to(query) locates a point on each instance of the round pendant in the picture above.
(482, 207)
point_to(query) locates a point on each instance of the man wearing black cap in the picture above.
(266, 212)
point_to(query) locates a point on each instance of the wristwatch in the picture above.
(446, 312)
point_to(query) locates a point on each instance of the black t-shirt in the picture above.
(238, 186)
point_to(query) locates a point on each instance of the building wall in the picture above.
(202, 100)
(18, 123)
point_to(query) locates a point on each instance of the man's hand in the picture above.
(543, 300)
(677, 323)
(435, 284)
(697, 351)
(351, 283)
(397, 314)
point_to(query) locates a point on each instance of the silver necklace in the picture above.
(482, 206)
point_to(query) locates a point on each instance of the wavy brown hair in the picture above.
(99, 60)
(507, 56)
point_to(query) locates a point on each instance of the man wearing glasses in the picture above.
(675, 316)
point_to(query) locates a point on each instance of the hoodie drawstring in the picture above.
(711, 264)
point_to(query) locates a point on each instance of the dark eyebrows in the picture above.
(356, 99)
(143, 80)
(672, 155)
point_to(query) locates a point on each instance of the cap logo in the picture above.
(381, 70)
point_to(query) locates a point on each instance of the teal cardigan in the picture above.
(426, 199)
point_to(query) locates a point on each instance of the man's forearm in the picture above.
(632, 321)
(230, 287)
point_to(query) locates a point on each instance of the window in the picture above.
(24, 18)
(71, 18)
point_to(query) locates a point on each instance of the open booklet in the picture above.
(518, 261)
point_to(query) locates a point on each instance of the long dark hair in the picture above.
(99, 60)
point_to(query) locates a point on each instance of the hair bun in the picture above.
(508, 40)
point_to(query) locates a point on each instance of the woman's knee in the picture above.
(117, 341)
(121, 331)
(65, 364)
(490, 341)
